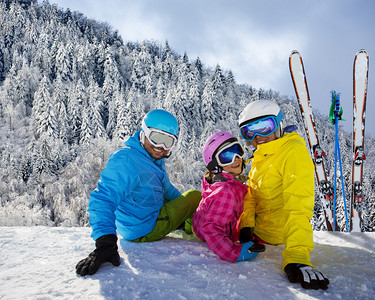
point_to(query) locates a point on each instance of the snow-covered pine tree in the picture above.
(43, 113)
(120, 132)
(95, 104)
(74, 111)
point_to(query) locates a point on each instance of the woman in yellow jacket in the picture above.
(280, 199)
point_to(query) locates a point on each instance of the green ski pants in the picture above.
(172, 214)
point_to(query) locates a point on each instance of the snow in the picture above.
(39, 263)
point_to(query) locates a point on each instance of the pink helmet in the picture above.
(212, 144)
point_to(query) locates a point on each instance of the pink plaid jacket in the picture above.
(216, 219)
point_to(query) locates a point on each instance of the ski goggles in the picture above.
(263, 127)
(159, 138)
(228, 154)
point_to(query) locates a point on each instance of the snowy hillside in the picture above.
(39, 262)
(71, 92)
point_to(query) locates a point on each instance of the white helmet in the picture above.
(261, 108)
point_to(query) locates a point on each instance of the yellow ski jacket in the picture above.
(280, 199)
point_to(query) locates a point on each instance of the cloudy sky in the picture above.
(255, 38)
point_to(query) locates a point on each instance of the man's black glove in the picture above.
(246, 234)
(309, 277)
(106, 251)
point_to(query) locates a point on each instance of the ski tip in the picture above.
(362, 51)
(294, 52)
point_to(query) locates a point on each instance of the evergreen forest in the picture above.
(72, 91)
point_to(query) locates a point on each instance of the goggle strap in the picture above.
(212, 165)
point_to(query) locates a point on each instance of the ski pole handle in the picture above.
(337, 107)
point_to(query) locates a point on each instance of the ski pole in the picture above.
(338, 113)
(335, 179)
(340, 163)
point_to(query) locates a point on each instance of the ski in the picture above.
(300, 86)
(360, 75)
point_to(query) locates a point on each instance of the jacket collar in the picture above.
(222, 177)
(273, 147)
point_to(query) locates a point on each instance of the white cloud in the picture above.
(256, 56)
(137, 25)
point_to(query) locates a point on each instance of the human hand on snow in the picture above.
(106, 251)
(250, 250)
(246, 234)
(309, 277)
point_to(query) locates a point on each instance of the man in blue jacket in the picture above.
(134, 195)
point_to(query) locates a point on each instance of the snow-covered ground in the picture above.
(39, 263)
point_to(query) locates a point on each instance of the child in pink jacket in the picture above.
(216, 219)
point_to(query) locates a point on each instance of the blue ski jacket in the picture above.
(130, 193)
